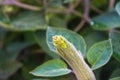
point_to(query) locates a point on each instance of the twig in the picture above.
(77, 3)
(8, 2)
(79, 14)
(111, 4)
(85, 18)
(17, 3)
(50, 10)
(71, 8)
(45, 3)
(80, 25)
(96, 9)
(26, 6)
(86, 12)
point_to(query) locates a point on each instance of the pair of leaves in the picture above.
(57, 67)
(98, 55)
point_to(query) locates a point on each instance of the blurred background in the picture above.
(23, 25)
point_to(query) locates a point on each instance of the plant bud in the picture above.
(74, 58)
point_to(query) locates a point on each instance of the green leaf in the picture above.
(57, 21)
(106, 21)
(74, 38)
(117, 8)
(92, 36)
(51, 68)
(40, 37)
(99, 54)
(2, 57)
(8, 68)
(13, 49)
(115, 39)
(115, 73)
(2, 33)
(29, 37)
(26, 21)
(116, 78)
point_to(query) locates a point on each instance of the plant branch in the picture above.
(77, 3)
(72, 6)
(80, 25)
(86, 8)
(96, 9)
(86, 16)
(26, 6)
(111, 4)
(22, 5)
(8, 2)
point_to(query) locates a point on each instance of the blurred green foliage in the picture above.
(25, 38)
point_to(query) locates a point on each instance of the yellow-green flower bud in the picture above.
(74, 58)
(59, 41)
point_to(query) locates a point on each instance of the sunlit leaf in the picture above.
(51, 68)
(74, 38)
(99, 54)
(106, 21)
